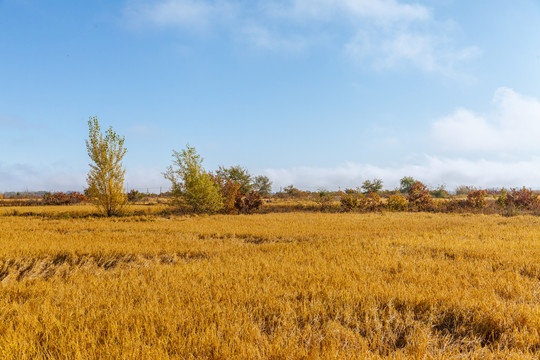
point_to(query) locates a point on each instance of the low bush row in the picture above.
(418, 198)
(60, 198)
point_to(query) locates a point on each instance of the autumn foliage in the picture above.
(60, 198)
(476, 199)
(419, 197)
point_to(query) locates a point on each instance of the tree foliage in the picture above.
(476, 199)
(230, 192)
(239, 174)
(192, 184)
(106, 176)
(373, 186)
(405, 184)
(464, 190)
(263, 185)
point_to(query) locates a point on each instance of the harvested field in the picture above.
(292, 285)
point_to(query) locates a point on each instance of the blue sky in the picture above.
(315, 93)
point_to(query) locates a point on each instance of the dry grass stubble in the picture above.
(298, 285)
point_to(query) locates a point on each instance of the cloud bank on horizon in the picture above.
(512, 126)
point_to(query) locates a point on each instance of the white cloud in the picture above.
(383, 11)
(433, 171)
(425, 52)
(513, 125)
(19, 177)
(266, 39)
(187, 14)
(384, 33)
(61, 177)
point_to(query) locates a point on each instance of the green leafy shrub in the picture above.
(502, 199)
(440, 192)
(192, 184)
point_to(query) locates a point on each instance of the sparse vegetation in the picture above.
(106, 176)
(135, 196)
(464, 190)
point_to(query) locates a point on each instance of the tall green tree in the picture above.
(106, 176)
(192, 184)
(262, 184)
(406, 183)
(239, 174)
(374, 186)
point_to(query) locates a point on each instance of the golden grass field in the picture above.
(270, 286)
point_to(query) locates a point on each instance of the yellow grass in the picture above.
(78, 210)
(279, 286)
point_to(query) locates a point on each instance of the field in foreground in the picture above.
(280, 286)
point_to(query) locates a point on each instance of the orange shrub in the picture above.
(419, 197)
(371, 202)
(397, 203)
(350, 201)
(476, 199)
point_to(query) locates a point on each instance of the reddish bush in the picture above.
(249, 203)
(60, 198)
(476, 199)
(419, 197)
(523, 198)
(230, 193)
(453, 205)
